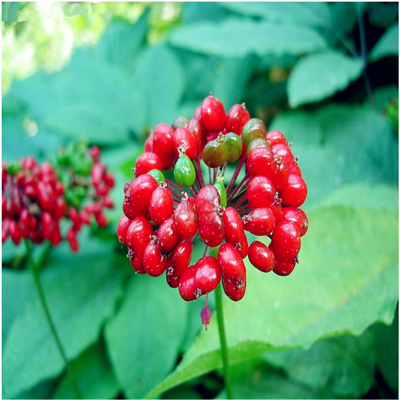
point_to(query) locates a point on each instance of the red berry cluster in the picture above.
(162, 217)
(38, 197)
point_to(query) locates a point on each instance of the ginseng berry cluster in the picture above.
(37, 198)
(162, 217)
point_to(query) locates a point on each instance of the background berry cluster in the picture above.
(162, 218)
(37, 198)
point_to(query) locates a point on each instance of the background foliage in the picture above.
(325, 74)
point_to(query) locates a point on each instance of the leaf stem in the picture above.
(35, 268)
(222, 338)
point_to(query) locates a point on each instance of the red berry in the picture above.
(122, 229)
(185, 219)
(148, 144)
(137, 238)
(212, 114)
(146, 162)
(97, 173)
(199, 279)
(60, 208)
(233, 226)
(236, 118)
(283, 151)
(187, 285)
(294, 193)
(161, 204)
(179, 262)
(260, 192)
(231, 264)
(284, 267)
(275, 137)
(24, 222)
(48, 225)
(153, 261)
(211, 227)
(234, 290)
(15, 232)
(297, 216)
(163, 145)
(260, 221)
(137, 198)
(186, 142)
(167, 236)
(261, 256)
(195, 128)
(208, 274)
(72, 240)
(285, 240)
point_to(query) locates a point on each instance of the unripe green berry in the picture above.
(234, 146)
(157, 175)
(253, 128)
(184, 171)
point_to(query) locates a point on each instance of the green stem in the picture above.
(222, 338)
(35, 268)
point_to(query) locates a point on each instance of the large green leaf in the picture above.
(17, 289)
(346, 280)
(122, 43)
(81, 292)
(93, 374)
(144, 338)
(255, 379)
(340, 367)
(317, 76)
(387, 348)
(304, 13)
(338, 145)
(162, 89)
(238, 38)
(388, 44)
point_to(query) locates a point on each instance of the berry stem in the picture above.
(35, 267)
(242, 160)
(222, 338)
(240, 186)
(174, 187)
(240, 200)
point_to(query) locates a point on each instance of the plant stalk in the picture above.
(224, 346)
(35, 268)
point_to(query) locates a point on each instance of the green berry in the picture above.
(157, 175)
(219, 185)
(254, 128)
(184, 171)
(234, 146)
(258, 142)
(214, 153)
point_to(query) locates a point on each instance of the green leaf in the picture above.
(17, 289)
(387, 349)
(340, 367)
(317, 76)
(94, 376)
(254, 379)
(122, 43)
(346, 280)
(81, 292)
(388, 44)
(198, 11)
(369, 156)
(144, 338)
(17, 142)
(231, 76)
(306, 14)
(161, 92)
(238, 38)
